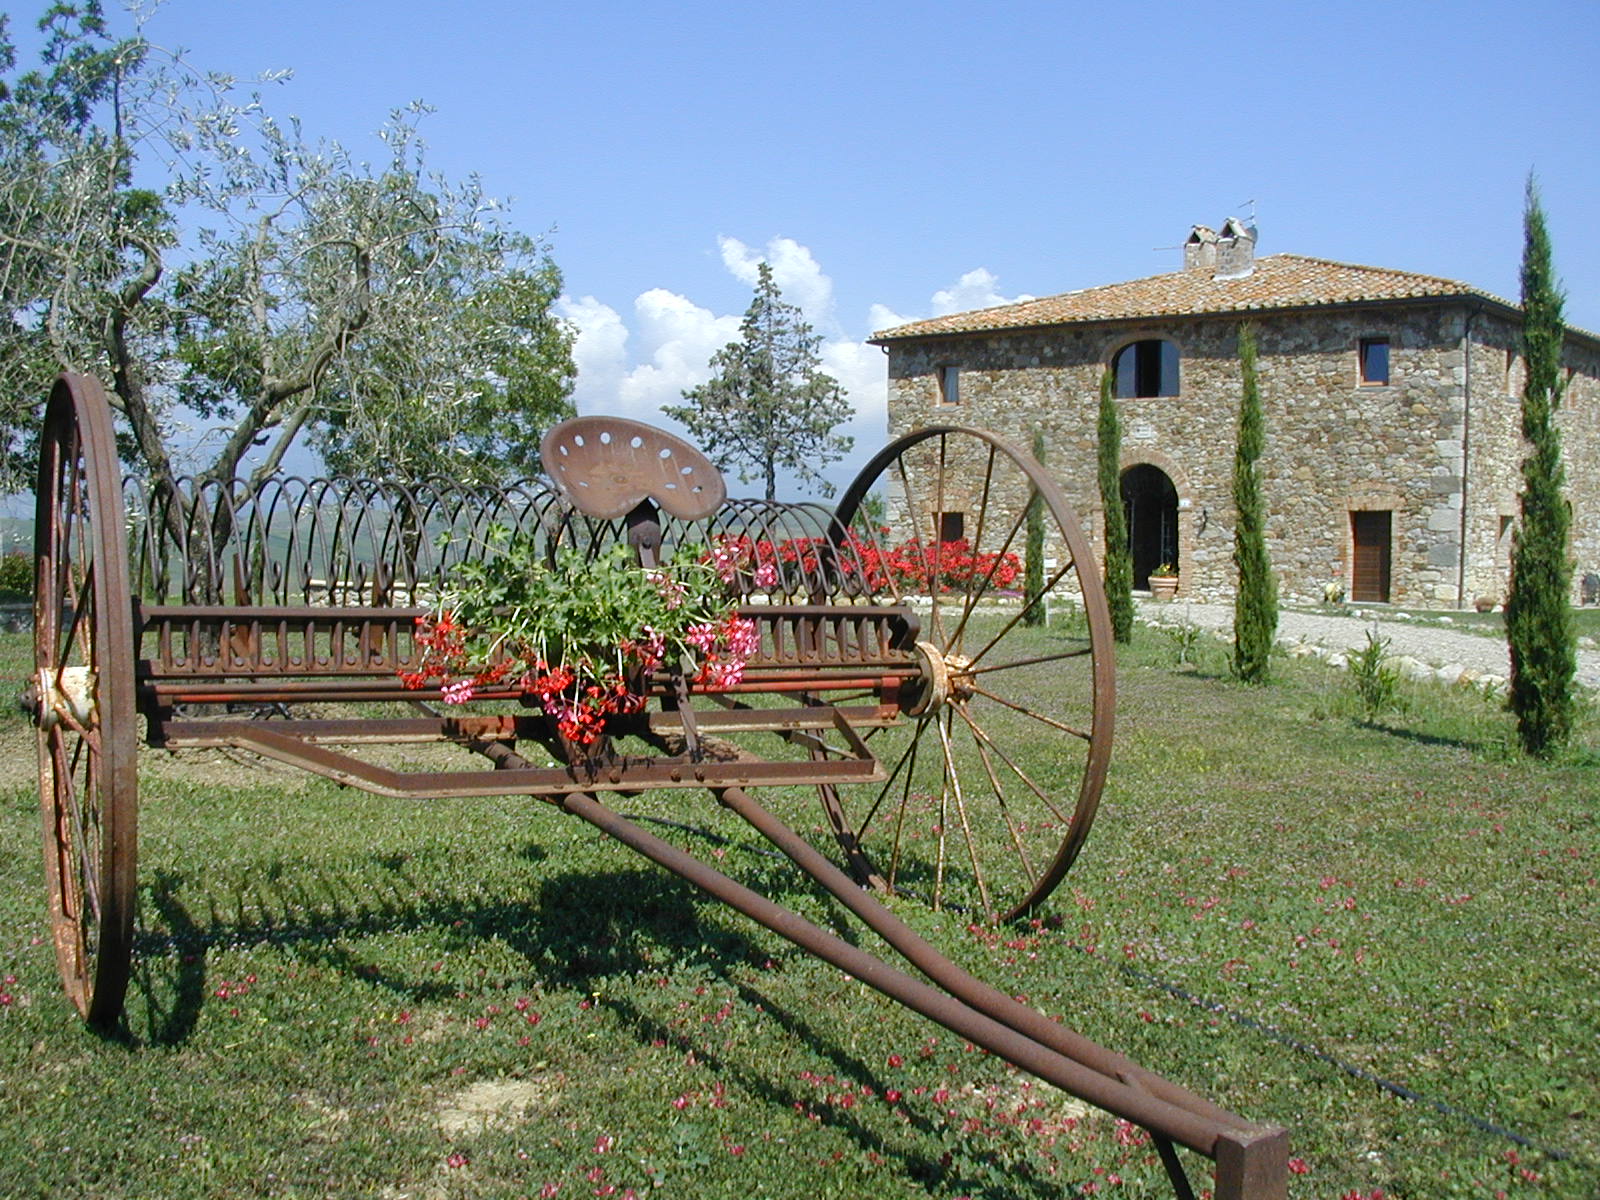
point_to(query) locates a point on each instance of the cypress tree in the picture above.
(1118, 565)
(1255, 607)
(1033, 550)
(1539, 627)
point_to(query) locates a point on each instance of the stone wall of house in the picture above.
(1334, 444)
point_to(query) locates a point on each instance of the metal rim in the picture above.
(83, 657)
(1003, 830)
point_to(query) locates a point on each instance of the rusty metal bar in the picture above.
(1251, 1163)
(619, 774)
(986, 999)
(174, 732)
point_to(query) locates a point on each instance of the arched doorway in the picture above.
(1150, 502)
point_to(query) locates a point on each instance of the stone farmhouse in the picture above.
(1393, 420)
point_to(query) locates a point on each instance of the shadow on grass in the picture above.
(577, 930)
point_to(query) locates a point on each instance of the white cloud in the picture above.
(794, 270)
(632, 366)
(976, 289)
(634, 372)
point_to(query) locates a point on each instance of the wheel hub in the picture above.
(947, 678)
(64, 695)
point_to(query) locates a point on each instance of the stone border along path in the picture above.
(1420, 651)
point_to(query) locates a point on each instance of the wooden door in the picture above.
(1370, 534)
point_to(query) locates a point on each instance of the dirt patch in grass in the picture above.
(495, 1101)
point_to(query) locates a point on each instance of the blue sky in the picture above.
(899, 160)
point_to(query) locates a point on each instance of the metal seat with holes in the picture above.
(608, 466)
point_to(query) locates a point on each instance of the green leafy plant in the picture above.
(1186, 641)
(580, 632)
(16, 574)
(1374, 677)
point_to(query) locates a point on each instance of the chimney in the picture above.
(1235, 250)
(1200, 250)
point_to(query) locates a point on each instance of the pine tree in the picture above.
(1033, 551)
(768, 405)
(1255, 608)
(1539, 625)
(1118, 567)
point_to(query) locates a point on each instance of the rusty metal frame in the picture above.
(328, 580)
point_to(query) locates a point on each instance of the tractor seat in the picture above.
(608, 466)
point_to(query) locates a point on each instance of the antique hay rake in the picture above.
(901, 685)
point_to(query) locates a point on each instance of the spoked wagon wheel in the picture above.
(83, 699)
(994, 780)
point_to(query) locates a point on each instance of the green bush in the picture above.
(16, 573)
(1374, 677)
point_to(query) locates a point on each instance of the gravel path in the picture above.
(1428, 650)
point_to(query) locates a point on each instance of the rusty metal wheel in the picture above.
(994, 780)
(82, 696)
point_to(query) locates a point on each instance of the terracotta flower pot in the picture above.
(1163, 587)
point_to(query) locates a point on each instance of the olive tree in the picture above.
(218, 268)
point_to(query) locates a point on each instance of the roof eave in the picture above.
(1472, 299)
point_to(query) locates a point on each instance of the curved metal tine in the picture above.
(283, 513)
(862, 529)
(791, 534)
(818, 520)
(325, 510)
(1027, 781)
(866, 546)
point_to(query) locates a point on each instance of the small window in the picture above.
(952, 526)
(1374, 361)
(1147, 368)
(949, 385)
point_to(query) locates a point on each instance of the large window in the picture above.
(1374, 361)
(1147, 368)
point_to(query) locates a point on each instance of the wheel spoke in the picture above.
(1026, 608)
(934, 517)
(1015, 770)
(961, 809)
(1005, 811)
(1028, 712)
(944, 820)
(1030, 662)
(909, 752)
(900, 815)
(977, 545)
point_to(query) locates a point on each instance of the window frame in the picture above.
(947, 376)
(1363, 346)
(1142, 367)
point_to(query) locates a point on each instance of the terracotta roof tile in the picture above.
(1278, 281)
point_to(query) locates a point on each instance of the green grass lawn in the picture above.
(343, 995)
